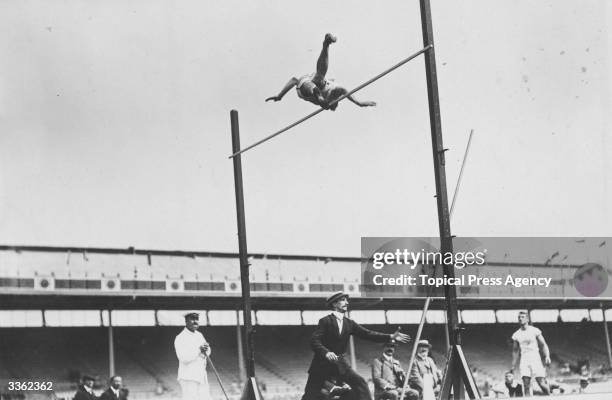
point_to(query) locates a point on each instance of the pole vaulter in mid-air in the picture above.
(315, 88)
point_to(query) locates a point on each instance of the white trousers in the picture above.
(194, 390)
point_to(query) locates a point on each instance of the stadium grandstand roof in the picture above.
(44, 277)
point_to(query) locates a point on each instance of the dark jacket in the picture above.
(82, 394)
(326, 338)
(109, 395)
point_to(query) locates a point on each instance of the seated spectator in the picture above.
(115, 390)
(514, 387)
(584, 369)
(85, 390)
(388, 376)
(425, 377)
(565, 369)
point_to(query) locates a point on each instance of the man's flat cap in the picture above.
(192, 313)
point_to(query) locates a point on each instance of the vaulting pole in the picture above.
(467, 150)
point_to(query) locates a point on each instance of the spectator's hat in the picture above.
(335, 297)
(192, 313)
(424, 343)
(88, 378)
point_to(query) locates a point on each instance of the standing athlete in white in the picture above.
(191, 350)
(528, 341)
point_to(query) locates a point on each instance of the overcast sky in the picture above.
(114, 122)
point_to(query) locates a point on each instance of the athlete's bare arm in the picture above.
(292, 82)
(544, 349)
(339, 92)
(362, 103)
(516, 356)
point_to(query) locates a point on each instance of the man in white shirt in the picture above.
(192, 350)
(528, 341)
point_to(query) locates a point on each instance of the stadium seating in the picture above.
(144, 356)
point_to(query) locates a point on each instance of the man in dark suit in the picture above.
(115, 390)
(85, 390)
(329, 342)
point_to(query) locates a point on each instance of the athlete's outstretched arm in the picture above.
(361, 103)
(292, 82)
(544, 348)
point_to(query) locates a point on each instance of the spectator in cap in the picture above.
(192, 351)
(85, 390)
(329, 343)
(425, 377)
(388, 376)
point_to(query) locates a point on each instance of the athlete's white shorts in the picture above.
(532, 366)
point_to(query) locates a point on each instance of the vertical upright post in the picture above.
(457, 370)
(111, 346)
(242, 246)
(241, 362)
(607, 334)
(435, 121)
(250, 390)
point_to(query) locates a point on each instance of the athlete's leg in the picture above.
(527, 385)
(543, 385)
(323, 60)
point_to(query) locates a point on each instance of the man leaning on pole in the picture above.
(192, 350)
